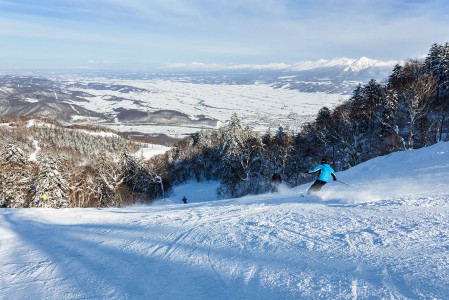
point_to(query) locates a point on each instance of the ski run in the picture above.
(386, 236)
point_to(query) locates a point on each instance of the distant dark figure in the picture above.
(276, 180)
(325, 172)
(184, 199)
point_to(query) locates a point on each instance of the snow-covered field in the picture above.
(384, 237)
(150, 150)
(214, 100)
(259, 105)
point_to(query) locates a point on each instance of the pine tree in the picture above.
(140, 180)
(15, 177)
(437, 64)
(13, 154)
(50, 189)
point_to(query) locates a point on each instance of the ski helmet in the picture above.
(324, 161)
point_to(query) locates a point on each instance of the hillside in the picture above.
(385, 237)
(46, 164)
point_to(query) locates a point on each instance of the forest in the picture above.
(79, 167)
(409, 110)
(45, 164)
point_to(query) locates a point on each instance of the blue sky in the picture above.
(130, 34)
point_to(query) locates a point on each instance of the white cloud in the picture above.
(199, 66)
(102, 62)
(228, 32)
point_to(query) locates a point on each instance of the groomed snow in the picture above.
(384, 237)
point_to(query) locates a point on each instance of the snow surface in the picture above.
(149, 150)
(259, 105)
(384, 237)
(33, 156)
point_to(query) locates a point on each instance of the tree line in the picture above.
(43, 164)
(409, 110)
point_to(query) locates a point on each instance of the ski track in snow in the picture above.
(266, 249)
(280, 246)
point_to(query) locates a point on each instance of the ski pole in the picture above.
(343, 182)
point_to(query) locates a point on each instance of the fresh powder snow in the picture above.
(386, 236)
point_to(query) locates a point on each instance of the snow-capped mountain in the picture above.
(386, 236)
(347, 64)
(332, 76)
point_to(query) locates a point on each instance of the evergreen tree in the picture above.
(324, 135)
(15, 177)
(12, 153)
(145, 184)
(437, 64)
(50, 188)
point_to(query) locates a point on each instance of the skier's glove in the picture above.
(335, 178)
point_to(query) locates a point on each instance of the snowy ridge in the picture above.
(391, 243)
(353, 64)
(366, 63)
(349, 64)
(322, 63)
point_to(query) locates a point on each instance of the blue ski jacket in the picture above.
(326, 172)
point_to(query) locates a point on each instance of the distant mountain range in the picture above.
(342, 63)
(336, 76)
(346, 64)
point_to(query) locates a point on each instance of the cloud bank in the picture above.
(140, 33)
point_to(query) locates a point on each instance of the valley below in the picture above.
(165, 107)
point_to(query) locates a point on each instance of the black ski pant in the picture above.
(316, 186)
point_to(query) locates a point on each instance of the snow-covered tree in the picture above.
(84, 188)
(15, 177)
(241, 164)
(12, 153)
(109, 177)
(414, 91)
(144, 183)
(437, 64)
(50, 188)
(282, 146)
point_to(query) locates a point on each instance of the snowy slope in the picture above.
(390, 243)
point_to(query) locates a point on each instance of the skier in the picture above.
(325, 173)
(276, 181)
(184, 199)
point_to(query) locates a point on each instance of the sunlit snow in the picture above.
(386, 236)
